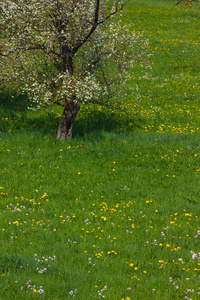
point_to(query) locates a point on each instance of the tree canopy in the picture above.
(68, 52)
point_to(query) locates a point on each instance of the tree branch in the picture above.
(22, 48)
(113, 13)
(179, 2)
(58, 103)
(96, 23)
(111, 106)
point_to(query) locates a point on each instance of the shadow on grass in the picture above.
(13, 102)
(16, 116)
(95, 122)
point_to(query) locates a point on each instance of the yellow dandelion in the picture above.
(131, 265)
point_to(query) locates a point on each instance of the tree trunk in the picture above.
(71, 107)
(67, 120)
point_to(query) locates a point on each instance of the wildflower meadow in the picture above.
(114, 212)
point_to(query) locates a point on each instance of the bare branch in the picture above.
(108, 105)
(113, 13)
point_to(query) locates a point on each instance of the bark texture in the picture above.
(67, 120)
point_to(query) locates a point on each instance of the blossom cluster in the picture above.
(55, 51)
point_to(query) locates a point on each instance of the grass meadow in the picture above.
(114, 212)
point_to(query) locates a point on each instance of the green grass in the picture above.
(115, 211)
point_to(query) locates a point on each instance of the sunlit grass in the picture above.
(114, 212)
(121, 212)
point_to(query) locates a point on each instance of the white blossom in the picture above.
(35, 34)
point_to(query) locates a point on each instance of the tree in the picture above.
(67, 52)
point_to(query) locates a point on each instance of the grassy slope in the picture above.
(119, 204)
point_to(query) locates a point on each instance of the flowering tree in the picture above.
(67, 52)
